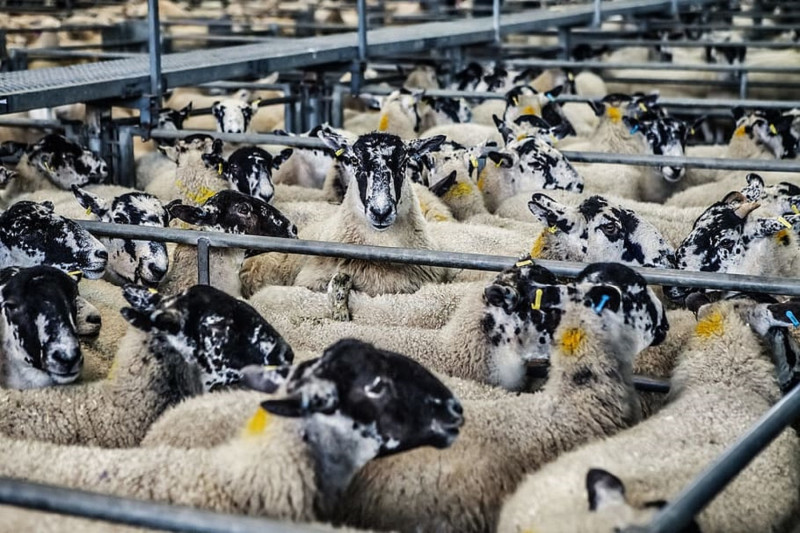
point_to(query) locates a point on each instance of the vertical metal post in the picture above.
(97, 132)
(673, 8)
(124, 167)
(203, 276)
(357, 70)
(496, 21)
(565, 40)
(743, 84)
(337, 103)
(154, 51)
(598, 18)
(289, 123)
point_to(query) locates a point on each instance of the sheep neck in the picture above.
(615, 138)
(29, 179)
(196, 182)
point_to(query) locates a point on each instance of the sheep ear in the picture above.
(137, 319)
(264, 379)
(554, 92)
(603, 488)
(6, 176)
(334, 141)
(217, 146)
(290, 407)
(500, 159)
(738, 112)
(184, 113)
(692, 130)
(171, 152)
(604, 297)
(632, 124)
(598, 107)
(193, 215)
(501, 296)
(92, 203)
(441, 187)
(695, 301)
(281, 158)
(141, 298)
(503, 128)
(766, 227)
(785, 314)
(420, 147)
(7, 273)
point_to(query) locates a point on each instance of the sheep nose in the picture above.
(101, 254)
(157, 271)
(454, 407)
(380, 213)
(103, 168)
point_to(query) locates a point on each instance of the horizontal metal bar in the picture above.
(765, 165)
(666, 102)
(579, 38)
(690, 67)
(74, 54)
(139, 513)
(705, 487)
(128, 78)
(11, 122)
(678, 278)
(253, 138)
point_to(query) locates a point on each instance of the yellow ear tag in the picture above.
(553, 139)
(537, 302)
(515, 100)
(88, 210)
(691, 131)
(338, 152)
(642, 106)
(384, 124)
(75, 273)
(795, 209)
(526, 262)
(740, 131)
(614, 114)
(46, 166)
(784, 222)
(498, 163)
(772, 129)
(219, 169)
(570, 76)
(521, 136)
(552, 229)
(474, 161)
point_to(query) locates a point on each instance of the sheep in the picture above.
(197, 176)
(465, 134)
(54, 163)
(31, 234)
(379, 208)
(588, 395)
(230, 212)
(40, 345)
(306, 167)
(295, 456)
(249, 170)
(168, 119)
(727, 239)
(164, 357)
(398, 115)
(723, 384)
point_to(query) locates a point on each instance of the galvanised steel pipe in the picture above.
(705, 487)
(139, 513)
(679, 278)
(254, 138)
(554, 63)
(203, 266)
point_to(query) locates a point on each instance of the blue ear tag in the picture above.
(602, 303)
(793, 318)
(634, 129)
(550, 97)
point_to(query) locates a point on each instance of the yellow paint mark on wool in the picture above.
(441, 218)
(459, 190)
(384, 123)
(482, 179)
(522, 136)
(710, 326)
(529, 110)
(614, 114)
(782, 237)
(538, 245)
(740, 131)
(257, 423)
(112, 371)
(571, 341)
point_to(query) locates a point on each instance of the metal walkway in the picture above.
(129, 78)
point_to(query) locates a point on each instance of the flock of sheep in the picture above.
(396, 397)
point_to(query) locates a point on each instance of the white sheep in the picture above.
(723, 384)
(295, 456)
(588, 395)
(162, 359)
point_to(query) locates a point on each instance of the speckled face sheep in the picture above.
(725, 238)
(31, 234)
(40, 338)
(233, 115)
(207, 328)
(757, 125)
(780, 199)
(664, 137)
(598, 231)
(353, 381)
(65, 163)
(172, 120)
(235, 212)
(131, 261)
(444, 111)
(524, 100)
(200, 146)
(376, 165)
(249, 170)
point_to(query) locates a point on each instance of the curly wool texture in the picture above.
(115, 412)
(193, 182)
(460, 489)
(723, 384)
(224, 266)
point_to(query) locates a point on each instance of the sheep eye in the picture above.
(610, 229)
(244, 209)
